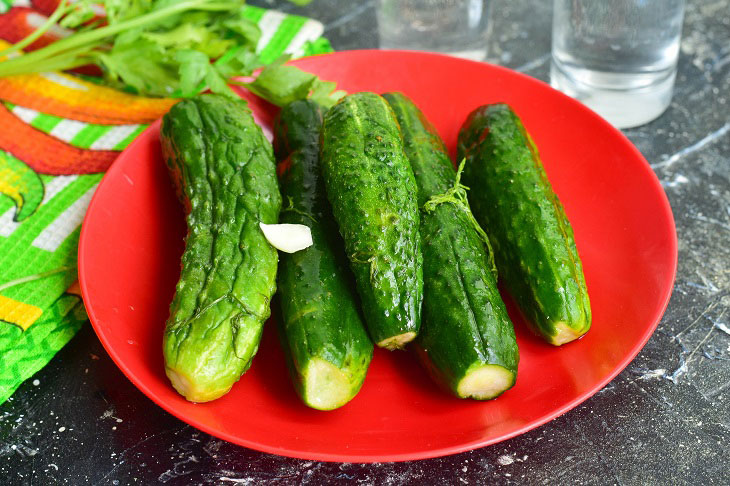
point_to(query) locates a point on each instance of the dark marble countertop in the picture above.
(664, 420)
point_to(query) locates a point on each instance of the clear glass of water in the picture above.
(618, 57)
(455, 27)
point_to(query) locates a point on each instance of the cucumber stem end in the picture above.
(397, 342)
(326, 386)
(485, 382)
(565, 334)
(189, 390)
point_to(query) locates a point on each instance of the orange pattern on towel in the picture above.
(70, 97)
(91, 104)
(46, 154)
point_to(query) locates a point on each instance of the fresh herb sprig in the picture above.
(167, 48)
(281, 84)
(154, 47)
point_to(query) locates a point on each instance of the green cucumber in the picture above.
(532, 238)
(371, 188)
(467, 340)
(324, 339)
(224, 171)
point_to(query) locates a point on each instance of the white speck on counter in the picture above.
(678, 180)
(62, 429)
(236, 480)
(36, 382)
(658, 373)
(724, 329)
(505, 460)
(109, 413)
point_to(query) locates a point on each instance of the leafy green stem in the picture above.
(456, 195)
(68, 60)
(293, 209)
(92, 37)
(62, 9)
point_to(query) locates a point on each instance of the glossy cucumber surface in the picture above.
(224, 172)
(372, 190)
(321, 329)
(533, 241)
(467, 340)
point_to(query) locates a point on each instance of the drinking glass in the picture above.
(618, 57)
(455, 27)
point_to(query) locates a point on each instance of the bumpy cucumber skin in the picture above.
(372, 190)
(465, 323)
(533, 241)
(320, 317)
(224, 170)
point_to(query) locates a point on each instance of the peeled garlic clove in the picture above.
(288, 238)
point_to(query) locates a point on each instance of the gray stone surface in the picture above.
(663, 420)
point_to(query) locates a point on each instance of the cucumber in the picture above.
(467, 340)
(532, 238)
(224, 171)
(371, 188)
(327, 348)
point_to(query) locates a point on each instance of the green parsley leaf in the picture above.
(280, 84)
(324, 93)
(193, 69)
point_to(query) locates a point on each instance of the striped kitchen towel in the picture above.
(58, 134)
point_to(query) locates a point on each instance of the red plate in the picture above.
(132, 240)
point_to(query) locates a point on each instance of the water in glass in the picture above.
(619, 57)
(455, 27)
